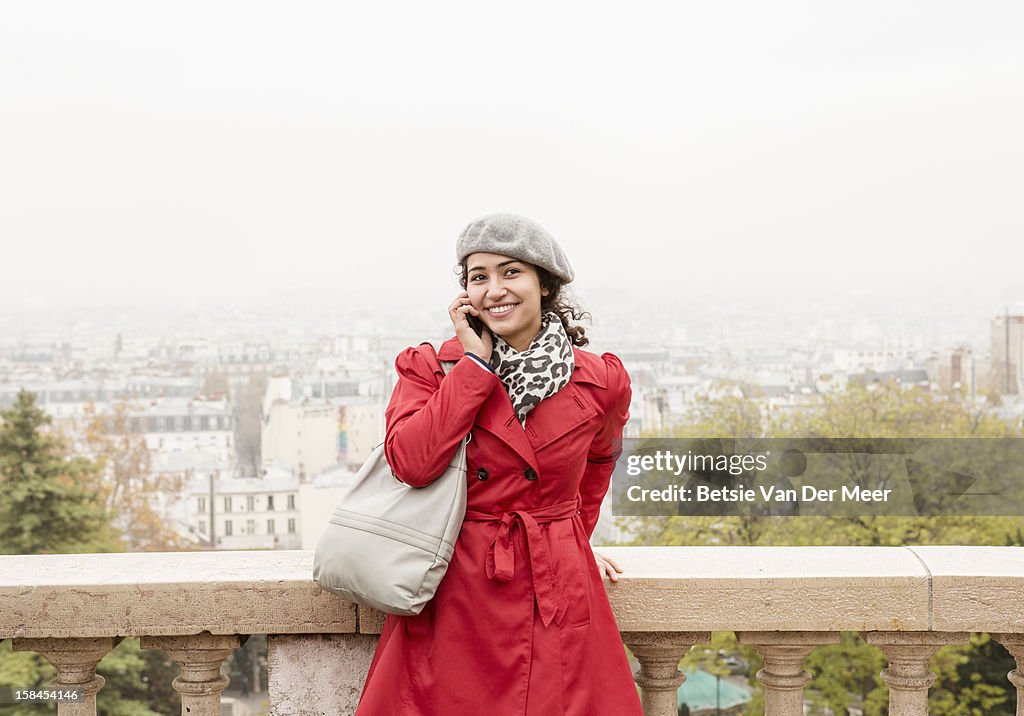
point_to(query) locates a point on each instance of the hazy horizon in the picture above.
(202, 152)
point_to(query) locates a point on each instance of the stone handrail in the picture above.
(782, 600)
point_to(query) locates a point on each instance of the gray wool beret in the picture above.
(515, 236)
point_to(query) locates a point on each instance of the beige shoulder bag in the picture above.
(388, 544)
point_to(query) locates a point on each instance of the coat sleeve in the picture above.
(607, 444)
(425, 420)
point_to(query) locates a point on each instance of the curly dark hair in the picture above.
(555, 301)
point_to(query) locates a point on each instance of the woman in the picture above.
(520, 625)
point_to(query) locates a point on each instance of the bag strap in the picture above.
(446, 366)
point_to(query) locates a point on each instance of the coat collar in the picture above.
(553, 417)
(588, 368)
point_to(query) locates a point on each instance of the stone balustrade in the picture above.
(783, 601)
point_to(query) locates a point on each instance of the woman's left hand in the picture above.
(607, 567)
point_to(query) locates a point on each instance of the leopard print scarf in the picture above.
(538, 372)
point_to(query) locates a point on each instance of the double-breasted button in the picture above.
(482, 473)
(530, 473)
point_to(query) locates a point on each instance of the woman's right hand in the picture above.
(459, 311)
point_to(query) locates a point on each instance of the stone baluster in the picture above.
(1014, 644)
(907, 674)
(659, 677)
(783, 675)
(75, 660)
(200, 657)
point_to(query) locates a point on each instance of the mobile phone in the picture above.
(476, 324)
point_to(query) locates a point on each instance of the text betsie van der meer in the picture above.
(665, 462)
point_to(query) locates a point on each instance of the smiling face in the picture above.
(507, 292)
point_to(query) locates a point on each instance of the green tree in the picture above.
(247, 666)
(846, 673)
(158, 675)
(971, 677)
(24, 670)
(53, 504)
(126, 690)
(48, 505)
(138, 682)
(883, 410)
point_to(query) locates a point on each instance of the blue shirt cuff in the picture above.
(480, 362)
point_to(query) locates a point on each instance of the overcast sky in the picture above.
(202, 148)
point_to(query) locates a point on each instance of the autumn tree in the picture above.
(130, 490)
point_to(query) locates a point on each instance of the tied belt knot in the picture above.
(500, 564)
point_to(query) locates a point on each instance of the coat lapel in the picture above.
(497, 415)
(569, 408)
(553, 417)
(499, 418)
(557, 415)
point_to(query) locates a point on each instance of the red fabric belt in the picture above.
(501, 559)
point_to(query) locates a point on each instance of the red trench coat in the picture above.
(521, 624)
